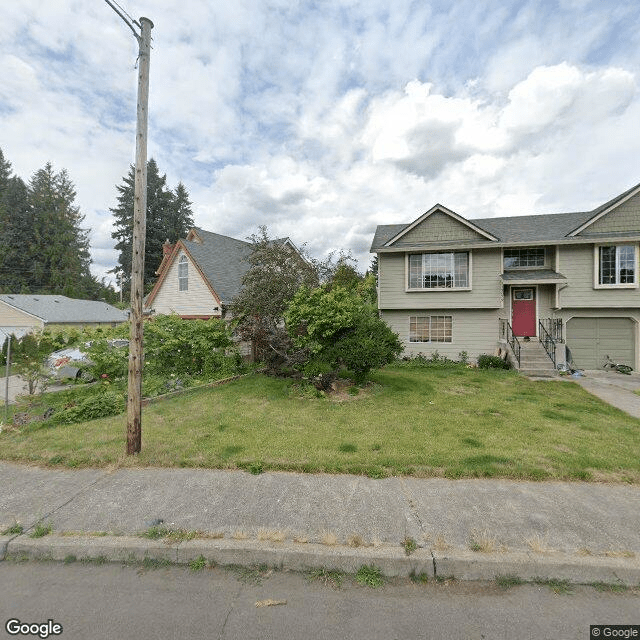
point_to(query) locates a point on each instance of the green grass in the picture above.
(370, 576)
(419, 422)
(41, 530)
(15, 529)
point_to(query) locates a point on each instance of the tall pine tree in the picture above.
(61, 259)
(43, 247)
(169, 217)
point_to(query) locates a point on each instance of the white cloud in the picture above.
(322, 120)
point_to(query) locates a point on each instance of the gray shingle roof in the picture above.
(553, 227)
(223, 261)
(60, 309)
(541, 275)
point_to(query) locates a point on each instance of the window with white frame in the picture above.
(430, 328)
(524, 257)
(439, 270)
(617, 265)
(183, 274)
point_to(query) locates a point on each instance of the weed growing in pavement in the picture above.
(611, 587)
(251, 575)
(508, 581)
(15, 529)
(197, 564)
(157, 532)
(327, 577)
(99, 560)
(328, 538)
(419, 578)
(41, 529)
(445, 579)
(155, 563)
(555, 584)
(370, 576)
(410, 545)
(482, 542)
(70, 559)
(356, 541)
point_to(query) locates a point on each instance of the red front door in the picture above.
(523, 311)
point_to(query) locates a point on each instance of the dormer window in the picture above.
(183, 274)
(524, 258)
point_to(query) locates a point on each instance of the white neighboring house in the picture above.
(22, 313)
(200, 276)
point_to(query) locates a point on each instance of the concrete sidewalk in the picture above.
(583, 532)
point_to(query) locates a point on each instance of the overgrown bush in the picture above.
(338, 329)
(96, 405)
(189, 347)
(486, 361)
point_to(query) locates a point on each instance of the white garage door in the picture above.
(591, 340)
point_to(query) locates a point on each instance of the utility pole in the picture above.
(136, 353)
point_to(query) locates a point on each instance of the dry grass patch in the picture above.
(240, 535)
(483, 542)
(354, 540)
(329, 538)
(539, 544)
(272, 535)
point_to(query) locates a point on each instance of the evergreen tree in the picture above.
(169, 216)
(17, 238)
(16, 231)
(60, 256)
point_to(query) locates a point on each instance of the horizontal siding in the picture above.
(577, 264)
(474, 331)
(197, 300)
(486, 289)
(11, 317)
(626, 217)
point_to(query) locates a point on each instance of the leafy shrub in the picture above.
(486, 361)
(98, 405)
(189, 347)
(337, 329)
(108, 361)
(435, 361)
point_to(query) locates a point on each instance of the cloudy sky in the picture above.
(322, 119)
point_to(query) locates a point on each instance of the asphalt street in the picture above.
(117, 602)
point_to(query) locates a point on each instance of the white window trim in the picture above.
(439, 289)
(596, 266)
(183, 260)
(430, 315)
(545, 264)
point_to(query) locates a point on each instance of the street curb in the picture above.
(470, 565)
(392, 561)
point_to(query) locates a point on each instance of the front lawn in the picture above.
(453, 422)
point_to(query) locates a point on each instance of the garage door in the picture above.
(591, 340)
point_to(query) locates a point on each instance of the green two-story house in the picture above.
(568, 281)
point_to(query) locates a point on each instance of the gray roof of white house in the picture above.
(223, 260)
(54, 309)
(553, 227)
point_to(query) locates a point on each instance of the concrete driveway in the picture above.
(615, 388)
(17, 387)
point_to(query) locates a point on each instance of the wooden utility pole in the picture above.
(136, 353)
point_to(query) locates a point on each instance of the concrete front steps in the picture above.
(534, 360)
